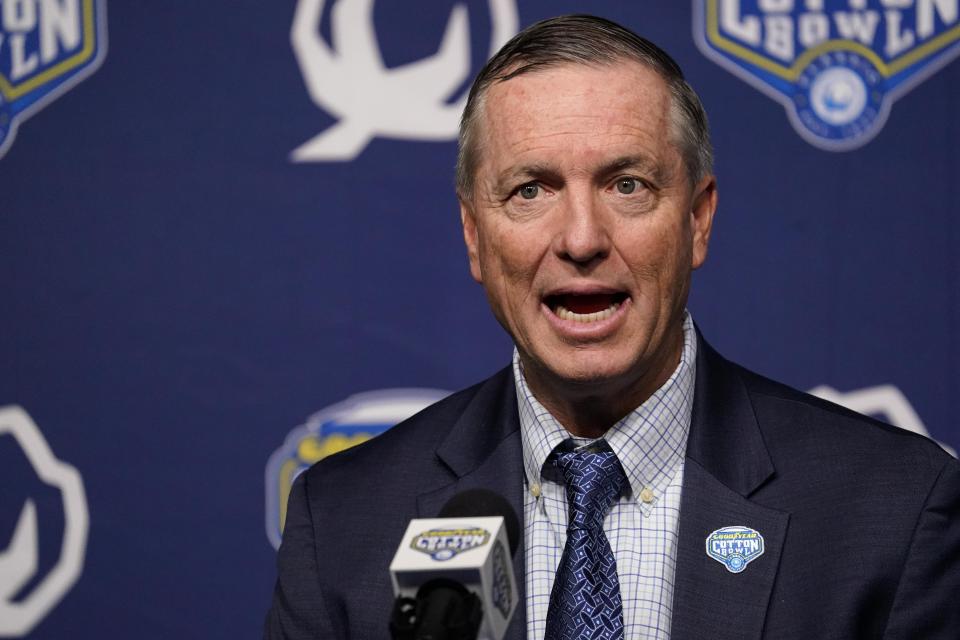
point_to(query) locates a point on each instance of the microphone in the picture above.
(483, 502)
(452, 575)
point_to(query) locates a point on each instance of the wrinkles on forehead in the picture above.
(567, 121)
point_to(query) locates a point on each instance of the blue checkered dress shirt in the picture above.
(642, 526)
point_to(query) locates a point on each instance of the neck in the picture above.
(590, 409)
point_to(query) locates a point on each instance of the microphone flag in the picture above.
(473, 551)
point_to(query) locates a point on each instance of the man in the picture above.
(703, 500)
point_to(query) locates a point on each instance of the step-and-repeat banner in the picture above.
(229, 247)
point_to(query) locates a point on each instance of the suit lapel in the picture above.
(483, 451)
(708, 600)
(726, 462)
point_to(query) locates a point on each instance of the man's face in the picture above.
(583, 226)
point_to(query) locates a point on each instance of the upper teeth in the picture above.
(565, 314)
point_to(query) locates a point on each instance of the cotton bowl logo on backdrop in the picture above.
(410, 102)
(46, 47)
(338, 427)
(836, 65)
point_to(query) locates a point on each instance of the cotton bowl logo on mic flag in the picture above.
(45, 49)
(335, 428)
(836, 65)
(350, 81)
(443, 544)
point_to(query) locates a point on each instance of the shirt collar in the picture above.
(650, 441)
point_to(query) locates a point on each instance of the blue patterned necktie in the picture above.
(585, 602)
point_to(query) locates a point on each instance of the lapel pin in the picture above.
(735, 547)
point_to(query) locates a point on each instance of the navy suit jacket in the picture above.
(861, 521)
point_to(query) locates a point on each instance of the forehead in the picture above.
(574, 114)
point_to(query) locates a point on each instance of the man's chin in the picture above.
(599, 370)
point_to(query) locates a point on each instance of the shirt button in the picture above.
(535, 490)
(647, 495)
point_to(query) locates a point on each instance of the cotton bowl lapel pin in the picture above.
(735, 547)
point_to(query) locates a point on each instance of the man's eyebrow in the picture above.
(536, 171)
(639, 161)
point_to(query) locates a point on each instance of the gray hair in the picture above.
(586, 40)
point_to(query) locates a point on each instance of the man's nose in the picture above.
(584, 236)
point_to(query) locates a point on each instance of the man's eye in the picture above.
(529, 191)
(627, 185)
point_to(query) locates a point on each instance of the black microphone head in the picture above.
(482, 503)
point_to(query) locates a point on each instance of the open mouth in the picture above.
(585, 307)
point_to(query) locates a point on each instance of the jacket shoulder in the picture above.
(794, 422)
(347, 512)
(405, 454)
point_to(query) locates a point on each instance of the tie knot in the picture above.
(594, 481)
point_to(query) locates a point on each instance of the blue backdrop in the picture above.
(196, 287)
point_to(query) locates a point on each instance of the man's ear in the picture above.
(471, 239)
(703, 207)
